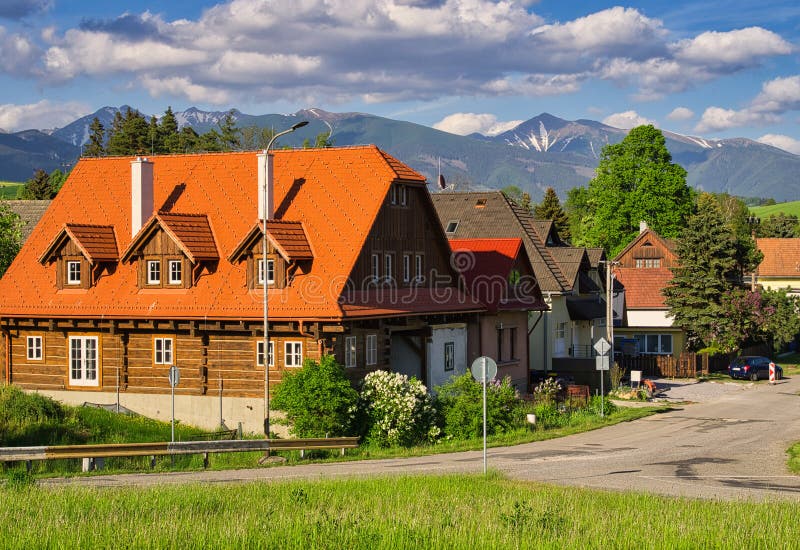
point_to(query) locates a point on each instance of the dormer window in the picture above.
(153, 272)
(81, 252)
(270, 272)
(73, 272)
(175, 272)
(398, 195)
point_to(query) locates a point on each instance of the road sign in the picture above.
(771, 372)
(477, 368)
(174, 376)
(602, 346)
(601, 362)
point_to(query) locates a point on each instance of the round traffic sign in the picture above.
(479, 364)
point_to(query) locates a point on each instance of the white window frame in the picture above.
(350, 343)
(419, 277)
(163, 350)
(260, 353)
(449, 356)
(372, 349)
(83, 362)
(376, 267)
(270, 271)
(293, 354)
(73, 275)
(175, 268)
(406, 268)
(403, 194)
(641, 342)
(388, 263)
(153, 275)
(560, 344)
(34, 348)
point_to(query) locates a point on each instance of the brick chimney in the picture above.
(265, 181)
(141, 193)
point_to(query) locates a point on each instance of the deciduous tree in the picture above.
(10, 236)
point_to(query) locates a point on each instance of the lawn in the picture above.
(395, 512)
(8, 189)
(789, 208)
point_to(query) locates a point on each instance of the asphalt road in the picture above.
(731, 447)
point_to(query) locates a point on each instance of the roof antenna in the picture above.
(440, 179)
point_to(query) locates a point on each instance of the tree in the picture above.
(168, 132)
(779, 226)
(229, 133)
(782, 317)
(253, 137)
(38, 187)
(57, 179)
(550, 209)
(318, 399)
(129, 135)
(10, 236)
(706, 271)
(577, 208)
(95, 147)
(738, 219)
(636, 180)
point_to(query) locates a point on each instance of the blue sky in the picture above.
(701, 67)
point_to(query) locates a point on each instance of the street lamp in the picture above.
(265, 215)
(753, 222)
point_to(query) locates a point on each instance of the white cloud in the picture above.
(535, 85)
(627, 120)
(716, 118)
(740, 47)
(681, 113)
(781, 142)
(779, 95)
(464, 124)
(41, 115)
(18, 54)
(182, 86)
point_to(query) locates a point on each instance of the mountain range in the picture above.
(540, 152)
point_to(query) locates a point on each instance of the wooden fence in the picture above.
(686, 365)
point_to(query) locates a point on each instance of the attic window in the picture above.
(647, 243)
(480, 203)
(451, 226)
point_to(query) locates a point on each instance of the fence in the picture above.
(686, 365)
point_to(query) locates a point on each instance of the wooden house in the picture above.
(142, 264)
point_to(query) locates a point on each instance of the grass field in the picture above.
(396, 512)
(790, 208)
(8, 189)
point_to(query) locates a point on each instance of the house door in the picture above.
(408, 354)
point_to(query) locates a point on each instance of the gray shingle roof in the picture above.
(30, 212)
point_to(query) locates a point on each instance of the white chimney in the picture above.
(141, 193)
(642, 227)
(265, 182)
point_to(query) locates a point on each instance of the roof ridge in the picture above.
(524, 219)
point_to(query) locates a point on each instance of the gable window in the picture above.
(83, 361)
(376, 267)
(34, 348)
(293, 354)
(73, 272)
(388, 260)
(419, 277)
(452, 225)
(175, 272)
(153, 272)
(350, 351)
(372, 349)
(406, 268)
(648, 263)
(260, 354)
(449, 356)
(162, 351)
(403, 195)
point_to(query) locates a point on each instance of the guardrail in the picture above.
(28, 454)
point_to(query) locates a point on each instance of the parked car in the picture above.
(753, 367)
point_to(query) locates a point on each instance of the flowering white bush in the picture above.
(546, 391)
(398, 409)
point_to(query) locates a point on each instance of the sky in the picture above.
(707, 68)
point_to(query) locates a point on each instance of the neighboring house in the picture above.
(561, 339)
(140, 264)
(499, 274)
(29, 212)
(643, 271)
(780, 268)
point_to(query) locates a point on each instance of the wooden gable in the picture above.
(650, 249)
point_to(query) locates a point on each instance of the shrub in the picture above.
(32, 419)
(318, 399)
(461, 406)
(397, 410)
(546, 391)
(548, 415)
(608, 407)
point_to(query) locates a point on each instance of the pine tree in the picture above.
(229, 133)
(38, 187)
(10, 236)
(706, 272)
(95, 146)
(168, 132)
(129, 134)
(550, 209)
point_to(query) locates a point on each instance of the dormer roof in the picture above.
(287, 237)
(191, 232)
(97, 243)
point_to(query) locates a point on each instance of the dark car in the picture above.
(753, 367)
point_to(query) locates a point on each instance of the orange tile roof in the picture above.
(191, 232)
(289, 239)
(643, 286)
(336, 193)
(781, 258)
(97, 242)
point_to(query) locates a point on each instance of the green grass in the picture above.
(9, 189)
(789, 208)
(397, 512)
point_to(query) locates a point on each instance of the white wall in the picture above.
(456, 333)
(648, 318)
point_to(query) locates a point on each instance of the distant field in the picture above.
(8, 189)
(790, 208)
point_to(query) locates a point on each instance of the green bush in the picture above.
(397, 410)
(318, 399)
(460, 403)
(34, 419)
(548, 415)
(608, 407)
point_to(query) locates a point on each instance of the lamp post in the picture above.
(753, 222)
(264, 268)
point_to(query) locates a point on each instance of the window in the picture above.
(260, 354)
(293, 354)
(162, 351)
(83, 361)
(452, 225)
(73, 273)
(376, 267)
(372, 349)
(270, 272)
(648, 263)
(512, 342)
(403, 192)
(499, 344)
(406, 268)
(350, 351)
(393, 195)
(34, 348)
(560, 344)
(654, 344)
(388, 271)
(419, 277)
(153, 272)
(449, 356)
(175, 272)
